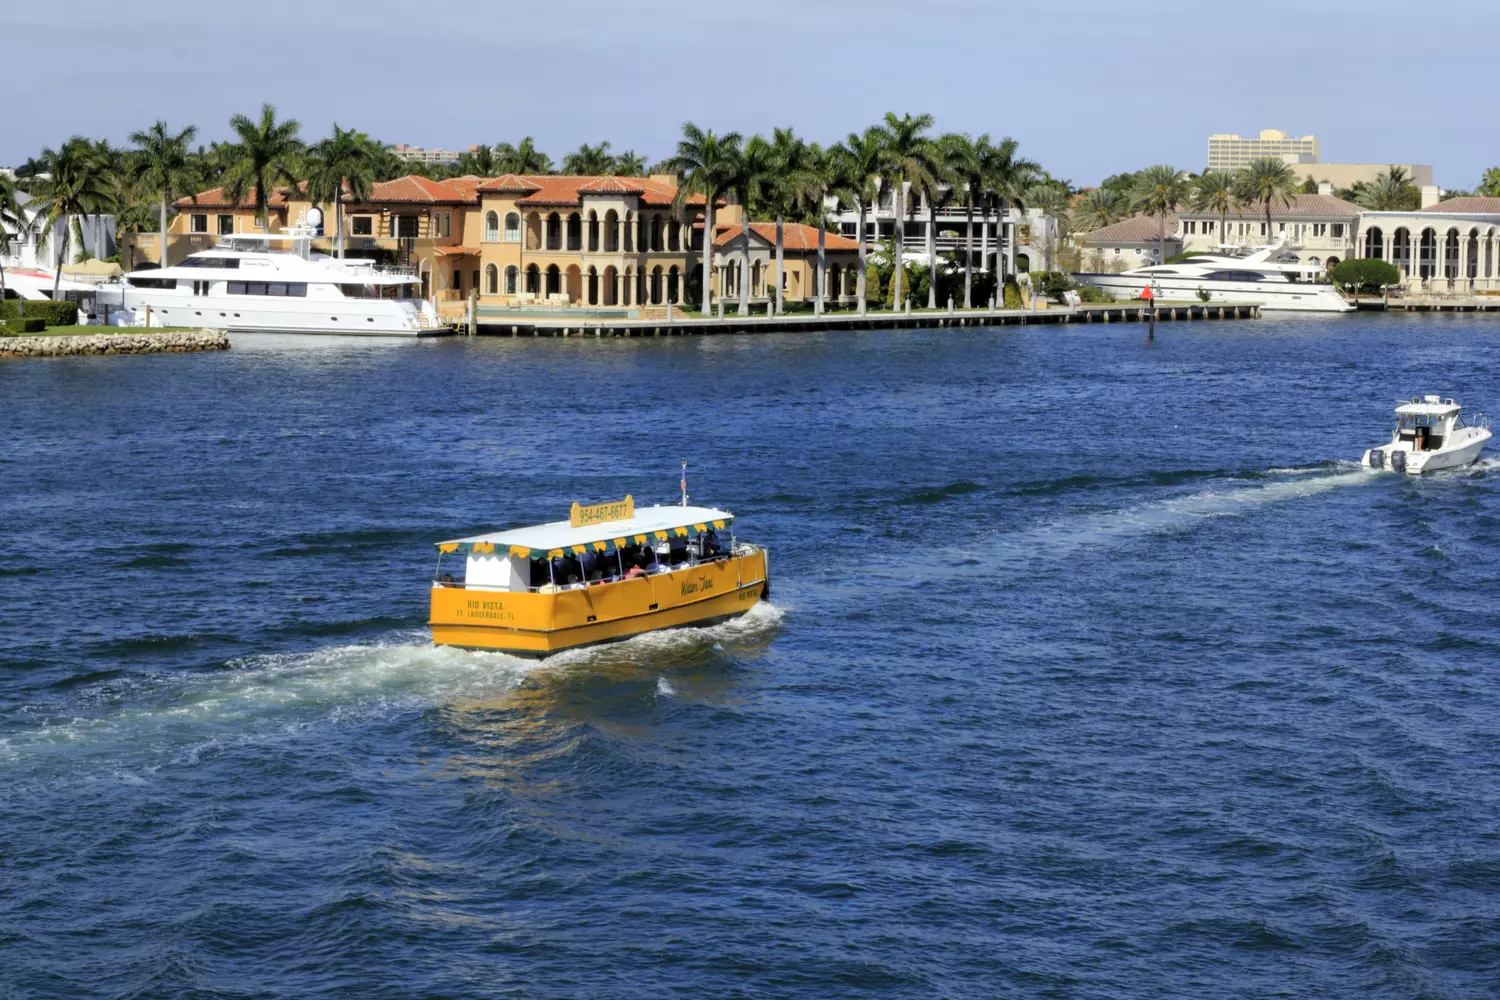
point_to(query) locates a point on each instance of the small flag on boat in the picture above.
(684, 483)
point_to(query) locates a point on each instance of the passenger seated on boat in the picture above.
(574, 583)
(635, 572)
(446, 580)
(708, 544)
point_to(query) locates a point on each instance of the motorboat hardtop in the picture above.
(607, 573)
(1431, 433)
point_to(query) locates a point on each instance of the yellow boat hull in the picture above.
(539, 624)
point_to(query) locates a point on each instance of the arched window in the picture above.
(575, 231)
(554, 280)
(1472, 264)
(835, 289)
(674, 236)
(1401, 249)
(554, 232)
(534, 280)
(656, 233)
(593, 240)
(672, 289)
(1450, 254)
(491, 227)
(512, 227)
(1374, 243)
(592, 284)
(512, 278)
(491, 280)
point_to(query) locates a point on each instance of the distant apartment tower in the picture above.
(416, 154)
(1231, 152)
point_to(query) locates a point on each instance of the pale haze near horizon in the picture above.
(1088, 88)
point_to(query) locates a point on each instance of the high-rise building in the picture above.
(1231, 152)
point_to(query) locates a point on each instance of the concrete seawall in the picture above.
(114, 343)
(1133, 312)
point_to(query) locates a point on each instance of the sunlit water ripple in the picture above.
(1094, 669)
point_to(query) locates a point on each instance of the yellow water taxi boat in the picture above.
(607, 573)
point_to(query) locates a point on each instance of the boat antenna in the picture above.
(684, 483)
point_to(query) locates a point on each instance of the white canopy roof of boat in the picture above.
(1434, 406)
(562, 535)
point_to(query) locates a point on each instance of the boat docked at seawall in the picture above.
(244, 284)
(607, 573)
(1252, 280)
(1431, 433)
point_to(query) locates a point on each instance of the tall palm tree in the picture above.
(268, 153)
(1100, 207)
(1214, 191)
(1159, 189)
(968, 183)
(343, 162)
(14, 221)
(1391, 191)
(1268, 182)
(74, 183)
(857, 163)
(791, 183)
(522, 159)
(479, 161)
(823, 171)
(629, 164)
(907, 155)
(163, 166)
(952, 162)
(1006, 177)
(752, 176)
(705, 164)
(589, 161)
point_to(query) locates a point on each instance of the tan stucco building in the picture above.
(524, 243)
(1451, 247)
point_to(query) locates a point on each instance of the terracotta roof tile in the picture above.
(415, 189)
(1467, 206)
(795, 237)
(509, 184)
(1303, 206)
(611, 185)
(215, 198)
(1139, 229)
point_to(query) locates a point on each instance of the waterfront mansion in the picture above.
(523, 243)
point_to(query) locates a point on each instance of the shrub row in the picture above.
(30, 324)
(49, 312)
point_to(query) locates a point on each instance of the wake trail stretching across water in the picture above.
(278, 694)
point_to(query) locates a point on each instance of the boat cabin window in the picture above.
(1234, 276)
(232, 263)
(1420, 431)
(496, 572)
(296, 289)
(152, 282)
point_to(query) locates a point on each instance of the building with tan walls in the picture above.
(524, 242)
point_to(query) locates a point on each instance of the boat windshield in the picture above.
(402, 290)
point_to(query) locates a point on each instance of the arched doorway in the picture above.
(554, 280)
(593, 287)
(1374, 243)
(575, 283)
(611, 292)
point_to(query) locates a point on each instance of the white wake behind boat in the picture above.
(1431, 433)
(243, 285)
(1252, 280)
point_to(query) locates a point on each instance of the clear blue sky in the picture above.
(1089, 88)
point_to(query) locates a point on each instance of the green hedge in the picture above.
(31, 324)
(1363, 273)
(52, 313)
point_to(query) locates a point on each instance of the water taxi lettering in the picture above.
(492, 610)
(692, 587)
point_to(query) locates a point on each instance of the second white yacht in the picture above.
(244, 286)
(1253, 280)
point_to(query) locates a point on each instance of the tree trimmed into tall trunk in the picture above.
(908, 154)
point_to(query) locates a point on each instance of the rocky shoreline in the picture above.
(114, 343)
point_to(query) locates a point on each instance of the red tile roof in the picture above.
(215, 198)
(1467, 206)
(795, 237)
(539, 190)
(509, 184)
(415, 189)
(1139, 229)
(1303, 206)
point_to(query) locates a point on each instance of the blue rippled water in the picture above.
(1095, 669)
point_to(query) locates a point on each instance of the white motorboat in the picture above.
(244, 285)
(1431, 433)
(1254, 280)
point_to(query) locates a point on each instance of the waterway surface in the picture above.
(1094, 669)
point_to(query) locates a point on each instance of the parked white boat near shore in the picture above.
(243, 285)
(1255, 280)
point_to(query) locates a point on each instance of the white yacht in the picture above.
(1255, 280)
(1431, 433)
(244, 285)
